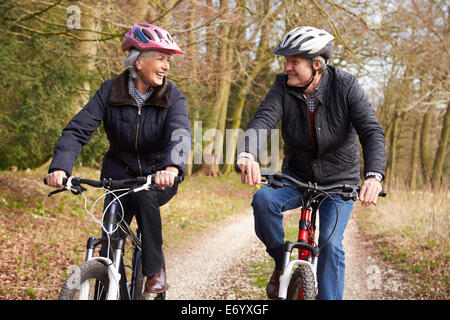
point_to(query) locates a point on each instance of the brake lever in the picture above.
(274, 183)
(74, 189)
(56, 191)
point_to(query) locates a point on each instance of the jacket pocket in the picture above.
(347, 154)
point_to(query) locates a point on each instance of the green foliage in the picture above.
(35, 100)
(39, 83)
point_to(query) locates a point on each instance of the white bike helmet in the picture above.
(308, 42)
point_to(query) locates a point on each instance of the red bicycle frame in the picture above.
(307, 228)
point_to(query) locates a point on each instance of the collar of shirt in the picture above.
(312, 102)
(317, 95)
(137, 96)
(319, 91)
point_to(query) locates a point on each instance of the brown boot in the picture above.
(273, 285)
(157, 282)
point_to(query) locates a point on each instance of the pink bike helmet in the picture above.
(144, 36)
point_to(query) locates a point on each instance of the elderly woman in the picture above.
(146, 122)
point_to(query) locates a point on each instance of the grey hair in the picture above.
(133, 56)
(323, 63)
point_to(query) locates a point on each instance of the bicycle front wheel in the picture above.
(302, 285)
(92, 273)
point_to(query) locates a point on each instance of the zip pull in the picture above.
(139, 110)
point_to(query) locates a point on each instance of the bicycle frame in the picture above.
(114, 266)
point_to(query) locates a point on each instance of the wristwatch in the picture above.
(246, 155)
(376, 175)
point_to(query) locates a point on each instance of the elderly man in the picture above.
(323, 110)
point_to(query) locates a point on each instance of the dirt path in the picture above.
(216, 265)
(367, 276)
(210, 266)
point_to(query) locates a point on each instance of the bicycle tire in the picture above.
(88, 270)
(302, 285)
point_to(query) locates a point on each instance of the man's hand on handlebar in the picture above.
(369, 192)
(249, 169)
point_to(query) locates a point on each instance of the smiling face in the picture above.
(298, 70)
(154, 66)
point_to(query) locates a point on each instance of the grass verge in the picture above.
(410, 230)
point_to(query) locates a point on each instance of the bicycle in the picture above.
(301, 283)
(104, 277)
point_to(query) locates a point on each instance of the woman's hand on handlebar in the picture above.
(249, 169)
(55, 178)
(166, 178)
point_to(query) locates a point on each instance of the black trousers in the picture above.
(145, 207)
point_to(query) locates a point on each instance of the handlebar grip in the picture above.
(383, 193)
(64, 181)
(176, 180)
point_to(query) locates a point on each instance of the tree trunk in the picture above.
(415, 155)
(258, 64)
(220, 103)
(425, 155)
(392, 151)
(222, 121)
(87, 50)
(192, 57)
(442, 148)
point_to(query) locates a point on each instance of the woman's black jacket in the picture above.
(142, 140)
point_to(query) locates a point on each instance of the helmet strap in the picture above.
(310, 81)
(141, 76)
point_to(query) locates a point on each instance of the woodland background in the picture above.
(399, 50)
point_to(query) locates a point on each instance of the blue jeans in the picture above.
(268, 205)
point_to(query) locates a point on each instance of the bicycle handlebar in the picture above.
(136, 184)
(346, 191)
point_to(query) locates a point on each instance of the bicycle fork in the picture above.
(113, 266)
(307, 251)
